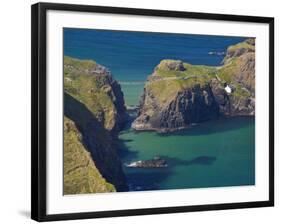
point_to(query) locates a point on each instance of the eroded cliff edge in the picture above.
(178, 94)
(94, 104)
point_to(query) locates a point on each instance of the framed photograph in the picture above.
(139, 111)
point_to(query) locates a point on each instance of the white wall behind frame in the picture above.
(15, 97)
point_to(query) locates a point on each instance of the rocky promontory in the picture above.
(93, 84)
(94, 109)
(178, 94)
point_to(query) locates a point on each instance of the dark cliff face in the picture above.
(97, 140)
(112, 88)
(93, 100)
(118, 100)
(187, 107)
(178, 94)
(230, 104)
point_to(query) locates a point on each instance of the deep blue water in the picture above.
(132, 56)
(213, 154)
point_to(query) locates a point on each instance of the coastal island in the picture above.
(178, 94)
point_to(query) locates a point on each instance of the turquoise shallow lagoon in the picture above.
(132, 92)
(212, 154)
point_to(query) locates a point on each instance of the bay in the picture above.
(217, 153)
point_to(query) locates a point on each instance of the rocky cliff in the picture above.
(80, 172)
(94, 102)
(94, 85)
(178, 94)
(238, 71)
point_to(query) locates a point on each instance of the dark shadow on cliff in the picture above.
(97, 140)
(215, 126)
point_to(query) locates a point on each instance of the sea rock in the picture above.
(156, 162)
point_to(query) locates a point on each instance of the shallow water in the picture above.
(212, 154)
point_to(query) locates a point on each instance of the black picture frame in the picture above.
(39, 122)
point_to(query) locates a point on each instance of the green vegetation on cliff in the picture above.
(178, 94)
(93, 85)
(243, 45)
(176, 68)
(227, 73)
(172, 76)
(94, 102)
(239, 68)
(80, 173)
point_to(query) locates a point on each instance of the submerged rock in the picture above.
(156, 162)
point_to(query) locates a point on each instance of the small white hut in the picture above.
(227, 89)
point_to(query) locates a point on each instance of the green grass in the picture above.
(79, 64)
(80, 173)
(171, 81)
(244, 45)
(190, 70)
(226, 74)
(240, 92)
(86, 87)
(87, 102)
(175, 81)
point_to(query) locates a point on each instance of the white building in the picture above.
(228, 89)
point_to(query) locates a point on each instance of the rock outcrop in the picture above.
(179, 94)
(238, 71)
(187, 106)
(94, 85)
(94, 102)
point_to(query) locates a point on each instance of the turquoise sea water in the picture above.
(212, 154)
